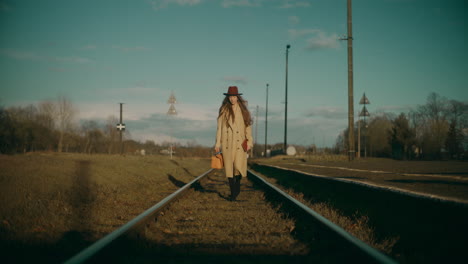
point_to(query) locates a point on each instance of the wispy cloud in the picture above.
(31, 56)
(56, 69)
(327, 112)
(393, 109)
(20, 55)
(241, 3)
(133, 94)
(293, 20)
(71, 59)
(322, 40)
(316, 38)
(293, 4)
(197, 122)
(161, 4)
(160, 128)
(236, 79)
(297, 33)
(89, 47)
(130, 49)
(148, 121)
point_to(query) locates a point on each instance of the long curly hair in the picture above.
(226, 108)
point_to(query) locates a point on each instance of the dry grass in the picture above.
(357, 225)
(43, 196)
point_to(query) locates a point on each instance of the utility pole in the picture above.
(256, 132)
(121, 127)
(266, 121)
(349, 38)
(286, 104)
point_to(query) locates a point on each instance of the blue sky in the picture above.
(100, 53)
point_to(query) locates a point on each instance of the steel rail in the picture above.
(106, 240)
(368, 250)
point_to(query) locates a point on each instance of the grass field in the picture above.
(48, 200)
(43, 196)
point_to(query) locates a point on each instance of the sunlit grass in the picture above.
(44, 196)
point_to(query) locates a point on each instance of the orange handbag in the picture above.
(217, 161)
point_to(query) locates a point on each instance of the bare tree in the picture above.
(401, 137)
(94, 137)
(340, 144)
(65, 113)
(378, 134)
(111, 134)
(46, 113)
(458, 116)
(458, 113)
(45, 118)
(435, 126)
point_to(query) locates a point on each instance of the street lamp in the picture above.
(286, 103)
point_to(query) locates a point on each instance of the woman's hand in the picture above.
(216, 150)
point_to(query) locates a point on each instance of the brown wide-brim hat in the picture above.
(232, 90)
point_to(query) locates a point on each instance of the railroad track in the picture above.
(199, 224)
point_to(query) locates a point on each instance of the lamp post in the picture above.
(266, 121)
(286, 103)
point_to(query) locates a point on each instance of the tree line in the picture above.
(436, 130)
(50, 126)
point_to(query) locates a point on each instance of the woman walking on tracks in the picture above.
(234, 137)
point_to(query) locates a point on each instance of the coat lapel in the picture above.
(231, 124)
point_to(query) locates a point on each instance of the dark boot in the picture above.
(237, 181)
(232, 187)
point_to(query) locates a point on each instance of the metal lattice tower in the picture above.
(172, 100)
(171, 112)
(364, 101)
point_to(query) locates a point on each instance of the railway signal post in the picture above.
(121, 127)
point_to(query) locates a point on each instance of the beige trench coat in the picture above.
(229, 138)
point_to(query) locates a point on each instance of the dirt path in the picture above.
(204, 221)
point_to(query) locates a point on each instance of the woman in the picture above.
(234, 126)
